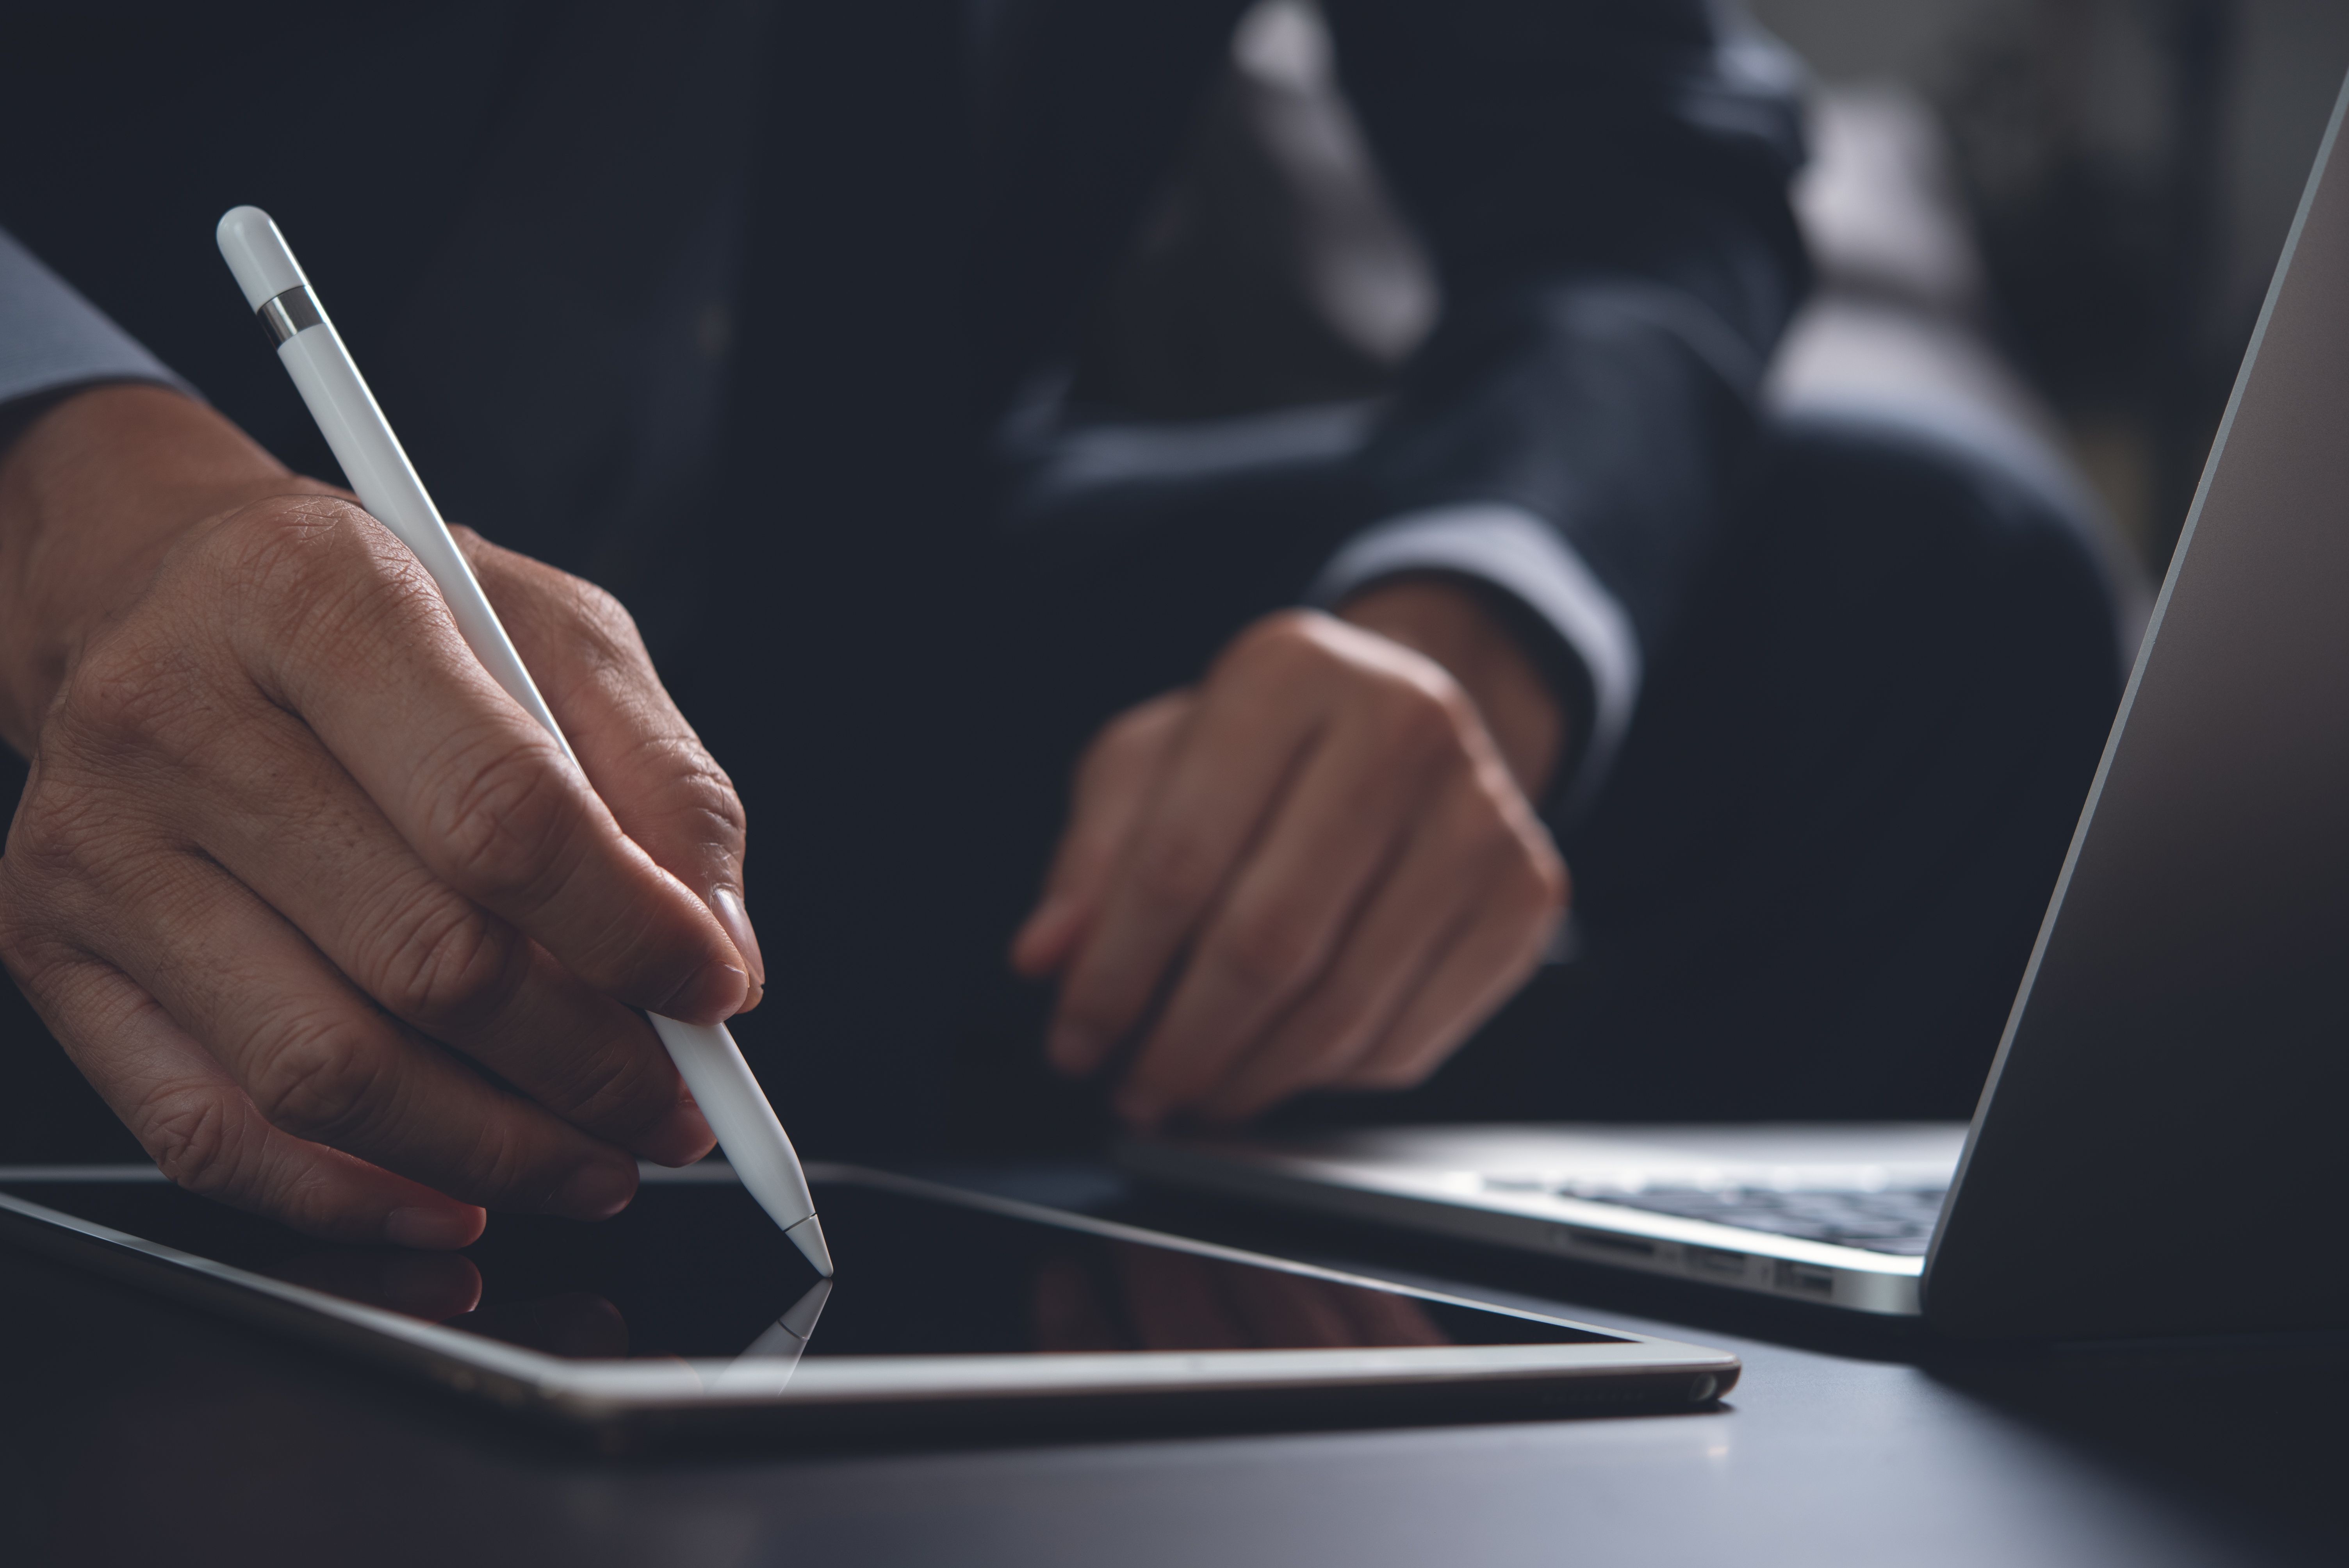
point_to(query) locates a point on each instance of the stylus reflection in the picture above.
(1126, 1297)
(771, 1359)
(789, 1335)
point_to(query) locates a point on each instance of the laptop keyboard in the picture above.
(1897, 1220)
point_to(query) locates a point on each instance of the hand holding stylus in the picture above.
(363, 442)
(289, 860)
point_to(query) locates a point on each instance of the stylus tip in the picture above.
(808, 1236)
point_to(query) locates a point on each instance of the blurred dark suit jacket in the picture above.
(716, 302)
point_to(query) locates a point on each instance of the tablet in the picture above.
(953, 1314)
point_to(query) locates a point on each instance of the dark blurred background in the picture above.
(2055, 220)
(2131, 168)
(2059, 214)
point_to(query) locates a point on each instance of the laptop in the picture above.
(2163, 1144)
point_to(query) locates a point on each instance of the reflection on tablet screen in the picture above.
(696, 1270)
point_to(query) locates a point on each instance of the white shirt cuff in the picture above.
(1511, 550)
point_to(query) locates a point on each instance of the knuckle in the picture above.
(1269, 947)
(505, 813)
(587, 624)
(601, 614)
(591, 633)
(1287, 641)
(624, 1093)
(1421, 718)
(297, 553)
(692, 791)
(196, 1136)
(1174, 869)
(59, 833)
(320, 1083)
(602, 634)
(442, 964)
(131, 691)
(312, 583)
(496, 1165)
(1282, 632)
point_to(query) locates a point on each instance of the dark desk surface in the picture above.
(133, 1432)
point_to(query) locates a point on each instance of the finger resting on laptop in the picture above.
(1284, 920)
(1482, 967)
(1220, 785)
(1333, 1027)
(1464, 912)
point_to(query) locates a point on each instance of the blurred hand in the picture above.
(289, 863)
(1317, 869)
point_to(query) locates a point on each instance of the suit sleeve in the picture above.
(1602, 186)
(52, 339)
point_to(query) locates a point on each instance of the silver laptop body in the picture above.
(2160, 1146)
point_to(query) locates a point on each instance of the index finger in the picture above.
(1228, 769)
(1114, 783)
(665, 790)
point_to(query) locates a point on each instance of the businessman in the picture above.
(753, 316)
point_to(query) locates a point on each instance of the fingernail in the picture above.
(431, 1287)
(1071, 1047)
(726, 903)
(595, 1191)
(682, 1137)
(711, 996)
(752, 998)
(437, 1230)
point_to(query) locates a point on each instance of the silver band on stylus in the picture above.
(288, 313)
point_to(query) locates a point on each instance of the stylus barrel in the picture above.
(385, 481)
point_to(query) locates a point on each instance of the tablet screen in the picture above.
(694, 1269)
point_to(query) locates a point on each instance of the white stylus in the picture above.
(380, 471)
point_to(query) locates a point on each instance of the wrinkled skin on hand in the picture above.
(290, 868)
(1317, 868)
